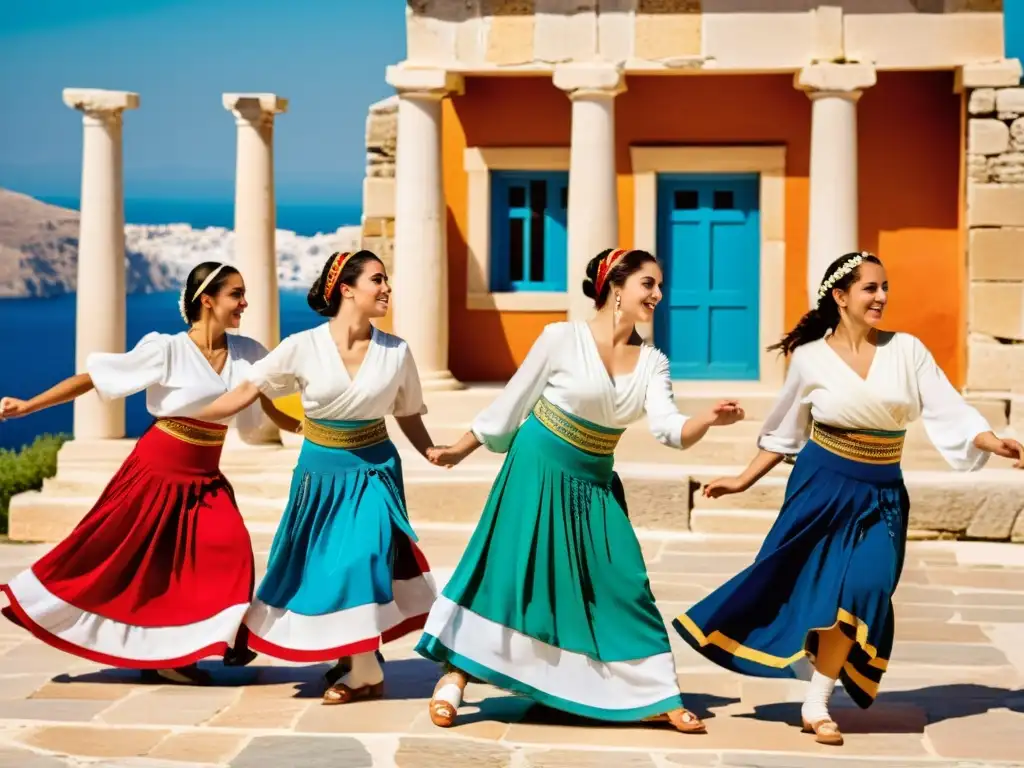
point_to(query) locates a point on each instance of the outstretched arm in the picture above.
(230, 403)
(66, 391)
(763, 463)
(280, 419)
(414, 429)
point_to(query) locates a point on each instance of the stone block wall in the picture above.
(995, 236)
(378, 223)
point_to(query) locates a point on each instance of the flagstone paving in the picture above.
(953, 694)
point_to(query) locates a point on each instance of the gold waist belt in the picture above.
(573, 432)
(865, 447)
(350, 439)
(193, 432)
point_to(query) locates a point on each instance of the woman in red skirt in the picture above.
(159, 574)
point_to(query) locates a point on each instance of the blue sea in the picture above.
(37, 345)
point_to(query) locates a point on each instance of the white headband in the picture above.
(842, 271)
(183, 305)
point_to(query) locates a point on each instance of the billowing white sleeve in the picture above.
(786, 429)
(409, 401)
(251, 422)
(497, 424)
(663, 417)
(120, 374)
(951, 424)
(275, 375)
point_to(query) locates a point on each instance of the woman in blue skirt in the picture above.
(822, 583)
(551, 598)
(344, 573)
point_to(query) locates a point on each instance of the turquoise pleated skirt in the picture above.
(832, 558)
(551, 598)
(344, 573)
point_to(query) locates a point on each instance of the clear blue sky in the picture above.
(326, 56)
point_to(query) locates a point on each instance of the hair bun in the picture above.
(589, 289)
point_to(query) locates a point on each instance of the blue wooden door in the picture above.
(709, 246)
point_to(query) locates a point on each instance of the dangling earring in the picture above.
(618, 308)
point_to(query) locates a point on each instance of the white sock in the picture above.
(451, 693)
(815, 707)
(366, 670)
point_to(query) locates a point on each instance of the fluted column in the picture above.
(421, 254)
(100, 304)
(593, 216)
(834, 90)
(255, 211)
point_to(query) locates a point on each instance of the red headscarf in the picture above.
(332, 274)
(606, 266)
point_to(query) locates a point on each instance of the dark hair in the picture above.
(624, 267)
(328, 306)
(825, 316)
(190, 306)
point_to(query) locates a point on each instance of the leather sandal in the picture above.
(683, 720)
(443, 713)
(339, 693)
(825, 732)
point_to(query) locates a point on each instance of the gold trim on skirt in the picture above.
(573, 432)
(193, 432)
(862, 446)
(352, 439)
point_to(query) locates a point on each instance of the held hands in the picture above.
(723, 486)
(444, 456)
(13, 408)
(724, 413)
(1010, 449)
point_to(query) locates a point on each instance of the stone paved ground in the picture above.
(953, 695)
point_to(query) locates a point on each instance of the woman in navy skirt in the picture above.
(822, 583)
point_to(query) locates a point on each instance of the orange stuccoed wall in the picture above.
(910, 159)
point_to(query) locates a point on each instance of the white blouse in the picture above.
(903, 384)
(565, 367)
(178, 379)
(309, 362)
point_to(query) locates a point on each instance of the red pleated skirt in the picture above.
(159, 573)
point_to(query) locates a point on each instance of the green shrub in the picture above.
(26, 469)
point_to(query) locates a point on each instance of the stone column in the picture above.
(834, 90)
(256, 223)
(593, 217)
(255, 212)
(100, 304)
(420, 309)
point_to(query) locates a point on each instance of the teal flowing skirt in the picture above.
(344, 573)
(551, 598)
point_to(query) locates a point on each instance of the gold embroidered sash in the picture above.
(350, 439)
(193, 432)
(863, 446)
(577, 434)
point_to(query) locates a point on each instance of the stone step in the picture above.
(719, 521)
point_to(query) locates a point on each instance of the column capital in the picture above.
(424, 82)
(254, 107)
(989, 74)
(830, 79)
(602, 79)
(97, 100)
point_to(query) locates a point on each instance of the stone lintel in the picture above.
(424, 81)
(835, 78)
(590, 77)
(249, 103)
(990, 74)
(100, 100)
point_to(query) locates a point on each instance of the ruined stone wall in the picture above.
(995, 236)
(378, 224)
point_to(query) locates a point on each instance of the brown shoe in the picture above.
(339, 693)
(825, 732)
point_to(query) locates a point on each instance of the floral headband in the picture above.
(606, 266)
(184, 301)
(332, 274)
(841, 271)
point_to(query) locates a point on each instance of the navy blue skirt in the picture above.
(833, 557)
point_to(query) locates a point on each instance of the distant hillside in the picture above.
(39, 251)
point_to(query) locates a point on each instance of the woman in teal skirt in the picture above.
(344, 573)
(551, 598)
(821, 586)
